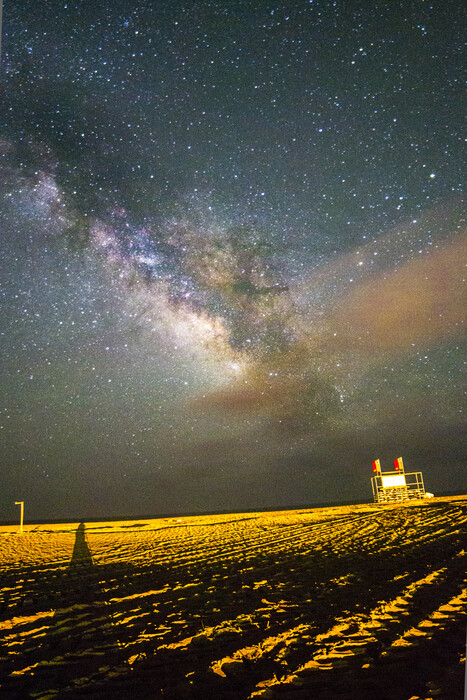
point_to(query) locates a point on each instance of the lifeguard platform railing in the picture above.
(392, 487)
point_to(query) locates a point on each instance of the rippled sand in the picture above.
(347, 602)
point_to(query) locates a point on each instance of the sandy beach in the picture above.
(344, 602)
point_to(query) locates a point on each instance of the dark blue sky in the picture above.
(232, 245)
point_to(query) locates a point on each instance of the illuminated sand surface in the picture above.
(347, 602)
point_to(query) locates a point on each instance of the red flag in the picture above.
(376, 466)
(398, 464)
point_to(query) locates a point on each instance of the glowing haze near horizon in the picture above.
(233, 245)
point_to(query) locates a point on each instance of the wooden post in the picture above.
(20, 503)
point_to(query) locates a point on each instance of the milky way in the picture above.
(233, 246)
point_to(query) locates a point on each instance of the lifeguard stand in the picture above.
(396, 486)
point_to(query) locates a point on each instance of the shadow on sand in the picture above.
(69, 645)
(81, 556)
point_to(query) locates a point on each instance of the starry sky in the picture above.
(232, 252)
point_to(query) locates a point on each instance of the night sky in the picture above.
(232, 251)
